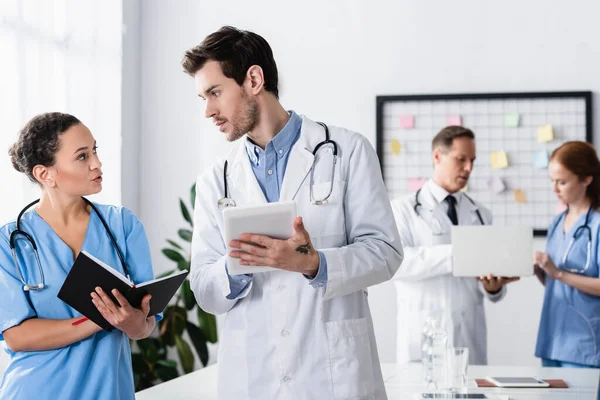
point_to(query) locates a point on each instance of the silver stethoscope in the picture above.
(418, 204)
(19, 231)
(226, 201)
(584, 227)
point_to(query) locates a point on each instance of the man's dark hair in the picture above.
(236, 51)
(443, 140)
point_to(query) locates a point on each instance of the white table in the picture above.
(403, 382)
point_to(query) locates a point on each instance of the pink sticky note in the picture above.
(560, 207)
(454, 120)
(407, 121)
(415, 184)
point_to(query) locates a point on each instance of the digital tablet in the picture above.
(522, 381)
(275, 220)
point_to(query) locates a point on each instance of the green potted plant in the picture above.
(151, 362)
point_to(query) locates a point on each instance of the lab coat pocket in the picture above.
(232, 365)
(350, 359)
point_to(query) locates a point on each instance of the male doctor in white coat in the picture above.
(425, 285)
(303, 331)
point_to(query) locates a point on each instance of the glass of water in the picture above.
(457, 363)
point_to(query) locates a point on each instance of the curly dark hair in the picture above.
(38, 141)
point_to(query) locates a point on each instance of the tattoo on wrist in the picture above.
(304, 249)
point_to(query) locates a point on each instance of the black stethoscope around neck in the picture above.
(584, 227)
(13, 247)
(418, 204)
(226, 201)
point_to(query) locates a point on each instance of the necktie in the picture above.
(451, 200)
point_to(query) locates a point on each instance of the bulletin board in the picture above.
(515, 135)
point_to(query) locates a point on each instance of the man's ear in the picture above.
(436, 156)
(255, 79)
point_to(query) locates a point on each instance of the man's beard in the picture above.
(245, 118)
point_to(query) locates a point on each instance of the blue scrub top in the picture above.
(570, 324)
(98, 367)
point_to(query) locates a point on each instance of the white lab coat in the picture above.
(425, 284)
(283, 338)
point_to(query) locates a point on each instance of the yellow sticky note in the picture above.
(520, 196)
(396, 146)
(545, 133)
(498, 159)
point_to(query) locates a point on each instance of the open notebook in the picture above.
(88, 272)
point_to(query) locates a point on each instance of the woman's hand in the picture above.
(132, 321)
(544, 261)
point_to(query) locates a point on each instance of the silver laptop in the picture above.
(497, 250)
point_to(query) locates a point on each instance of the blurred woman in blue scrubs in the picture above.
(52, 356)
(569, 334)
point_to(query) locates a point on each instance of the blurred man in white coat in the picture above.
(425, 286)
(304, 330)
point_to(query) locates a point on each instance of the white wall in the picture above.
(334, 58)
(131, 106)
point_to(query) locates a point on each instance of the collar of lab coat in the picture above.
(241, 176)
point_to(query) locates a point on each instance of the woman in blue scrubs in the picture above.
(569, 333)
(52, 356)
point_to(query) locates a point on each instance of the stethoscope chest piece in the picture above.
(319, 202)
(225, 202)
(27, 288)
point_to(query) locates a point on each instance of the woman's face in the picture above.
(77, 171)
(568, 187)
